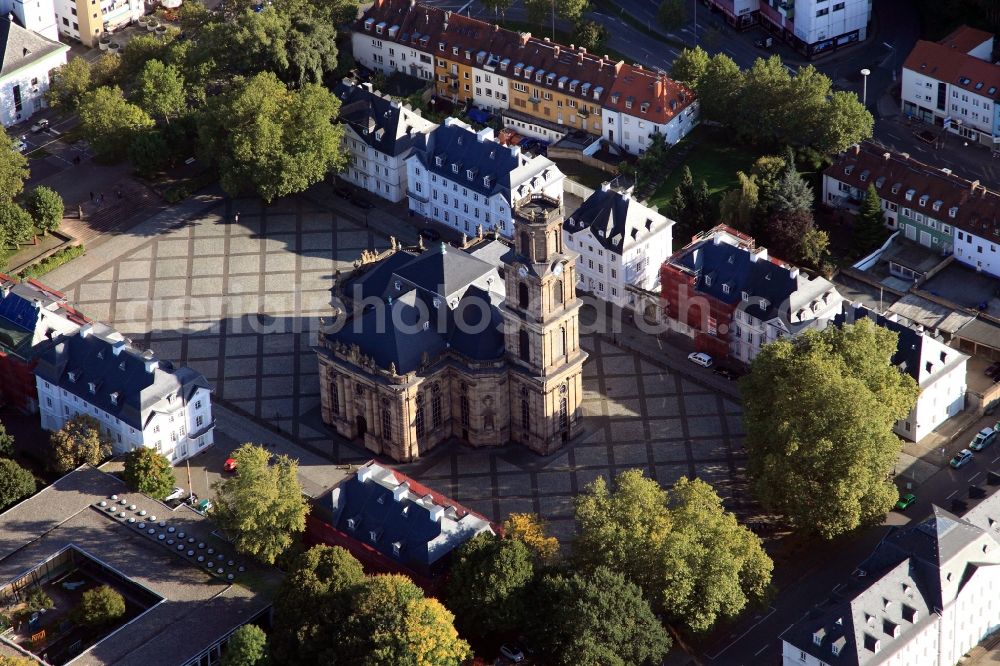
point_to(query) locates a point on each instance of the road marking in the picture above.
(996, 459)
(974, 476)
(741, 636)
(952, 495)
(730, 51)
(757, 653)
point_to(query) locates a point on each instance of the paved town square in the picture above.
(240, 302)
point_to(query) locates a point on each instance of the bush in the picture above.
(38, 600)
(52, 262)
(101, 605)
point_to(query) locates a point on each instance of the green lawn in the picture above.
(582, 173)
(714, 158)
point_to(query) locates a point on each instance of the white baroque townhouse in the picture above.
(927, 595)
(644, 103)
(380, 133)
(953, 83)
(402, 46)
(466, 179)
(34, 15)
(812, 27)
(621, 243)
(139, 400)
(26, 59)
(938, 370)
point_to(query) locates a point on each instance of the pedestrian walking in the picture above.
(91, 197)
(236, 218)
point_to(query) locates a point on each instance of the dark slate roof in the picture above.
(377, 119)
(20, 47)
(437, 288)
(720, 264)
(24, 307)
(88, 357)
(425, 525)
(606, 212)
(457, 144)
(908, 350)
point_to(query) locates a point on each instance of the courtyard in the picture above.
(241, 303)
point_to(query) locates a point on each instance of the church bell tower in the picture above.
(541, 329)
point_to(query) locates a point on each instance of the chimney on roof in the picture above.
(399, 492)
(524, 37)
(555, 50)
(117, 347)
(583, 49)
(606, 186)
(365, 473)
(618, 66)
(857, 149)
(367, 85)
(973, 185)
(36, 303)
(149, 360)
(547, 40)
(86, 330)
(639, 67)
(794, 273)
(436, 512)
(886, 156)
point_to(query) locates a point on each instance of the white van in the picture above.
(701, 358)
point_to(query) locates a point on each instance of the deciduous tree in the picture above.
(571, 10)
(15, 224)
(79, 441)
(391, 622)
(591, 35)
(159, 90)
(45, 207)
(539, 12)
(311, 604)
(499, 7)
(68, 83)
(149, 472)
(690, 66)
(529, 529)
(246, 647)
(819, 412)
(488, 585)
(13, 169)
(266, 138)
(739, 206)
(720, 89)
(595, 618)
(691, 558)
(109, 122)
(99, 606)
(16, 483)
(261, 507)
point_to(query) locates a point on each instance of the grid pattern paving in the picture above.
(240, 302)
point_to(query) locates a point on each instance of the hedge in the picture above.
(52, 262)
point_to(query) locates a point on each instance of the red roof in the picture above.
(966, 38)
(944, 63)
(646, 94)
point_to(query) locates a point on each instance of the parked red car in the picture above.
(229, 465)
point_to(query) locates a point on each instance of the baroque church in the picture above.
(480, 343)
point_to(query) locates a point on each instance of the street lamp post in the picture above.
(864, 87)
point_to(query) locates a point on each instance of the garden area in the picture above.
(712, 155)
(67, 606)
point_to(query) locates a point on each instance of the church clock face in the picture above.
(522, 271)
(558, 269)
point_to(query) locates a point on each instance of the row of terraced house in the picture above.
(542, 89)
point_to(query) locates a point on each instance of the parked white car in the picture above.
(701, 358)
(178, 493)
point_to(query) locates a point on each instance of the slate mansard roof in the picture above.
(616, 219)
(915, 572)
(725, 264)
(399, 517)
(453, 292)
(20, 47)
(27, 310)
(455, 152)
(97, 364)
(382, 123)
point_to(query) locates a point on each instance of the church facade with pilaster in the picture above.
(479, 343)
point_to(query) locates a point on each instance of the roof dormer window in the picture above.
(764, 304)
(910, 193)
(369, 23)
(725, 289)
(440, 46)
(953, 211)
(644, 107)
(114, 398)
(469, 174)
(923, 199)
(538, 76)
(708, 280)
(379, 28)
(72, 375)
(438, 161)
(628, 102)
(454, 50)
(864, 176)
(849, 169)
(517, 70)
(92, 387)
(486, 181)
(454, 168)
(895, 188)
(746, 296)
